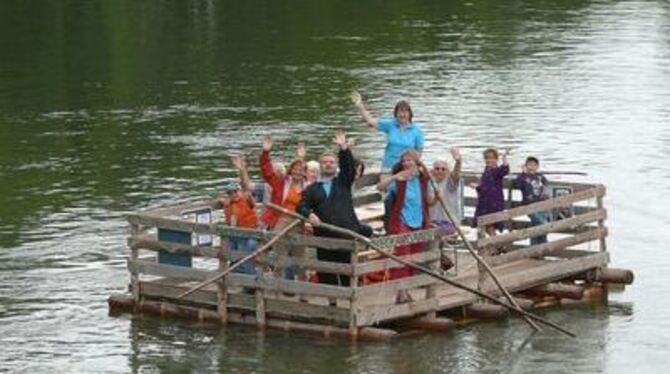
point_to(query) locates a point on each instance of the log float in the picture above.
(557, 290)
(123, 302)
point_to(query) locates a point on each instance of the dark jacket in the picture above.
(337, 208)
(532, 186)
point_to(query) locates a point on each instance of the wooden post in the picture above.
(431, 291)
(222, 291)
(481, 271)
(353, 283)
(601, 225)
(261, 320)
(134, 256)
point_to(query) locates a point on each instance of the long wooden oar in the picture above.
(376, 248)
(580, 173)
(244, 259)
(476, 255)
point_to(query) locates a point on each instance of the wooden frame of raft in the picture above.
(528, 271)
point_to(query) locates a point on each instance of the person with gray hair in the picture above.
(449, 187)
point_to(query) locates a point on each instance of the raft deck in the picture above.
(574, 260)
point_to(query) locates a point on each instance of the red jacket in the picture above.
(270, 216)
(396, 209)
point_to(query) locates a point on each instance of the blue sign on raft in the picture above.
(185, 237)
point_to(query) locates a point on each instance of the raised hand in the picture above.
(356, 98)
(504, 156)
(340, 139)
(455, 153)
(300, 150)
(267, 142)
(405, 174)
(238, 162)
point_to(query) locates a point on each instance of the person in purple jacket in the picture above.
(490, 197)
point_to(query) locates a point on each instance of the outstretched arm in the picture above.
(455, 175)
(385, 182)
(504, 168)
(345, 159)
(300, 151)
(267, 170)
(242, 171)
(369, 119)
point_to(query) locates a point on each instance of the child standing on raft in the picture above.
(490, 197)
(533, 186)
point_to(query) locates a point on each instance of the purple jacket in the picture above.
(490, 197)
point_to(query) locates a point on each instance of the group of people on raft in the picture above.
(323, 192)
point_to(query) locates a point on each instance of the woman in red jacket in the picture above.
(409, 210)
(286, 192)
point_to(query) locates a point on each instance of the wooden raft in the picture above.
(564, 268)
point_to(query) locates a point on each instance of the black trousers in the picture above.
(333, 256)
(342, 256)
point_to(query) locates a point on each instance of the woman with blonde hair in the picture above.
(409, 208)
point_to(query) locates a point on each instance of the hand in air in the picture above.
(356, 98)
(340, 139)
(238, 162)
(300, 150)
(455, 153)
(405, 175)
(267, 142)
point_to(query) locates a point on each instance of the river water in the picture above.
(111, 106)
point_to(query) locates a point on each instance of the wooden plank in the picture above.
(542, 273)
(168, 271)
(172, 224)
(159, 290)
(368, 179)
(393, 286)
(474, 177)
(387, 263)
(151, 243)
(405, 239)
(551, 271)
(367, 199)
(272, 258)
(470, 201)
(354, 300)
(289, 286)
(291, 310)
(371, 315)
(221, 288)
(274, 307)
(542, 206)
(293, 239)
(134, 256)
(546, 249)
(550, 227)
(572, 253)
(177, 208)
(601, 224)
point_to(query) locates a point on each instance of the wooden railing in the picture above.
(362, 303)
(575, 230)
(153, 280)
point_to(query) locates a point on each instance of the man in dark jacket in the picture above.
(330, 200)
